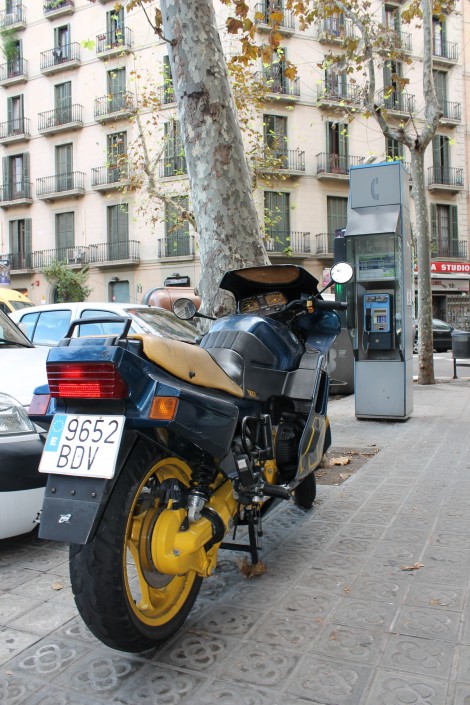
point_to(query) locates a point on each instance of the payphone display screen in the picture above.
(375, 266)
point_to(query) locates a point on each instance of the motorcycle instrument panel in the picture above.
(263, 303)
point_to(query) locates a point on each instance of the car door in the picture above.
(46, 327)
(441, 335)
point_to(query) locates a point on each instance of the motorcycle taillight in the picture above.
(85, 380)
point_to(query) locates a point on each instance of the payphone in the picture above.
(379, 316)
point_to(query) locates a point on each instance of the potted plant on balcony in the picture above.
(10, 51)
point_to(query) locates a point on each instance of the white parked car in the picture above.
(46, 325)
(22, 368)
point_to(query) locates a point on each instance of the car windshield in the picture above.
(10, 334)
(158, 321)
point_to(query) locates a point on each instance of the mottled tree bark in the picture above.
(227, 222)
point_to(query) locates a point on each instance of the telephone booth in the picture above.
(379, 318)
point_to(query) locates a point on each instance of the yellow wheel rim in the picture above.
(155, 598)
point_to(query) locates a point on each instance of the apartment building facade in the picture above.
(73, 76)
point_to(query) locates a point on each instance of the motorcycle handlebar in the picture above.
(331, 305)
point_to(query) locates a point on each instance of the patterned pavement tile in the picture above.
(259, 665)
(382, 589)
(195, 652)
(16, 690)
(292, 631)
(438, 596)
(367, 614)
(229, 693)
(46, 659)
(162, 686)
(350, 643)
(428, 623)
(329, 681)
(429, 657)
(13, 642)
(395, 688)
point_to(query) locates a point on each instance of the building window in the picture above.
(115, 27)
(20, 243)
(61, 51)
(168, 90)
(393, 149)
(334, 24)
(277, 220)
(64, 167)
(63, 103)
(116, 80)
(438, 37)
(65, 236)
(118, 232)
(337, 147)
(392, 73)
(336, 208)
(174, 161)
(15, 113)
(177, 229)
(116, 148)
(275, 137)
(274, 73)
(392, 18)
(16, 183)
(445, 231)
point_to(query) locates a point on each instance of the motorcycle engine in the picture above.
(286, 448)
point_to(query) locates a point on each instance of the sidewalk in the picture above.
(339, 618)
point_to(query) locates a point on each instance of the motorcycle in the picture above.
(158, 448)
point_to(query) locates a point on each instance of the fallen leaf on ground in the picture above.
(249, 570)
(339, 461)
(416, 566)
(57, 586)
(345, 475)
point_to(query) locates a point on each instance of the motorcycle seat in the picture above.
(188, 362)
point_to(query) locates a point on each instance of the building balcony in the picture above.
(445, 178)
(69, 185)
(116, 42)
(60, 120)
(14, 72)
(114, 106)
(323, 245)
(17, 130)
(332, 94)
(16, 19)
(334, 30)
(457, 249)
(175, 246)
(336, 166)
(452, 113)
(402, 104)
(19, 262)
(61, 58)
(166, 94)
(172, 167)
(445, 53)
(405, 41)
(109, 178)
(285, 162)
(58, 8)
(263, 19)
(16, 194)
(278, 86)
(287, 242)
(101, 254)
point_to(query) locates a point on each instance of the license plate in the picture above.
(86, 446)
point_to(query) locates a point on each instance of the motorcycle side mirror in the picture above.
(184, 309)
(341, 272)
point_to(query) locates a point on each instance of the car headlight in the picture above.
(13, 417)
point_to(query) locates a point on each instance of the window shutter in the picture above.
(343, 140)
(26, 184)
(13, 233)
(454, 231)
(28, 241)
(434, 233)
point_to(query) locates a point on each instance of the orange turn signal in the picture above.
(163, 408)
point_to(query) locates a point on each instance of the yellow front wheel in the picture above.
(124, 600)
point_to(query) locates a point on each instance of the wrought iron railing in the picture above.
(18, 260)
(445, 50)
(394, 100)
(177, 245)
(115, 39)
(13, 69)
(104, 175)
(287, 241)
(17, 126)
(69, 181)
(337, 91)
(324, 244)
(122, 101)
(445, 175)
(282, 159)
(336, 163)
(60, 116)
(52, 5)
(172, 166)
(14, 16)
(59, 55)
(336, 28)
(88, 254)
(406, 41)
(455, 248)
(15, 191)
(451, 110)
(275, 82)
(166, 93)
(265, 9)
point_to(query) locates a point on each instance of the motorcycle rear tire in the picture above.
(122, 598)
(306, 491)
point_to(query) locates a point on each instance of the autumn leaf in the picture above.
(343, 460)
(234, 25)
(291, 72)
(416, 566)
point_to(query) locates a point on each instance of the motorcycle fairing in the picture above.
(291, 279)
